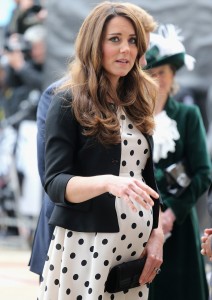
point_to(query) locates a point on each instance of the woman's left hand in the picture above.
(154, 252)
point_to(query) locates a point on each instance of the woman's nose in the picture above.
(125, 47)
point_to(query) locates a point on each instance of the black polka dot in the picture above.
(130, 126)
(92, 248)
(58, 246)
(140, 235)
(100, 297)
(76, 276)
(141, 213)
(148, 223)
(114, 250)
(125, 291)
(41, 279)
(144, 244)
(90, 291)
(133, 253)
(81, 241)
(125, 142)
(47, 258)
(69, 234)
(68, 292)
(53, 237)
(51, 267)
(118, 257)
(139, 142)
(72, 255)
(134, 225)
(132, 152)
(86, 284)
(64, 270)
(122, 117)
(56, 282)
(83, 262)
(140, 294)
(104, 242)
(106, 262)
(124, 163)
(45, 288)
(97, 276)
(145, 151)
(138, 162)
(79, 297)
(129, 246)
(131, 173)
(123, 216)
(95, 255)
(112, 297)
(123, 237)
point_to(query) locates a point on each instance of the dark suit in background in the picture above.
(43, 231)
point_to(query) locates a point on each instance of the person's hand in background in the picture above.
(207, 243)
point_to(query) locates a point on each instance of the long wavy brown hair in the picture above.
(91, 89)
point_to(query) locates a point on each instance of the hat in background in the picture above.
(166, 48)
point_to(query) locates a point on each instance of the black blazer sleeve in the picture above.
(60, 148)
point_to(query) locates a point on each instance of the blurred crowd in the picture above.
(22, 57)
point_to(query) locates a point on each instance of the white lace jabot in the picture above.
(165, 135)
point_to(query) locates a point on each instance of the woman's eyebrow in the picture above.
(118, 33)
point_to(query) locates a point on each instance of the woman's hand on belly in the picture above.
(130, 190)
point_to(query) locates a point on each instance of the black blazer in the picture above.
(69, 153)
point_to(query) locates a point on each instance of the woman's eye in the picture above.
(133, 41)
(114, 39)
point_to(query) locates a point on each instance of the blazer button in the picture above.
(115, 161)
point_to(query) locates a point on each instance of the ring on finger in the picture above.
(157, 270)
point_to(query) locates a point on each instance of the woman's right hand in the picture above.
(130, 190)
(80, 189)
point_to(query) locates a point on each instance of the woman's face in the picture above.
(119, 48)
(165, 77)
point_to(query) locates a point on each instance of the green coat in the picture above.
(183, 272)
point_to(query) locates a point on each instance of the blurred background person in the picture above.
(26, 13)
(31, 73)
(183, 172)
(22, 61)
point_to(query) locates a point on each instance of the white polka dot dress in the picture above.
(78, 263)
